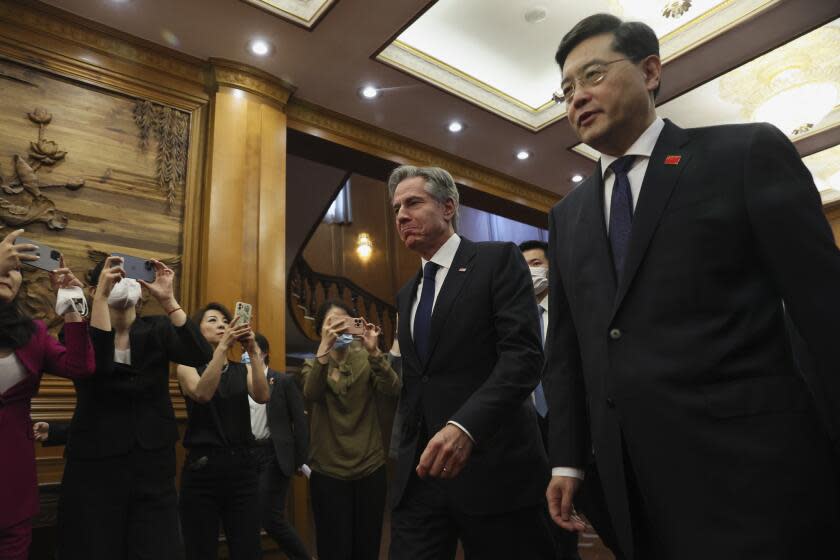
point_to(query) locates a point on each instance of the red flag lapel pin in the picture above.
(672, 160)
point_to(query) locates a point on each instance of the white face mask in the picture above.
(539, 276)
(70, 299)
(124, 294)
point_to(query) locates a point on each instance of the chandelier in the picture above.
(793, 87)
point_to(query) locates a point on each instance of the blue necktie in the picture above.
(423, 315)
(621, 212)
(539, 394)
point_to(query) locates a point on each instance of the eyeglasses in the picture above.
(593, 75)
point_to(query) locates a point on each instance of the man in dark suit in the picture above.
(535, 253)
(667, 353)
(470, 464)
(281, 435)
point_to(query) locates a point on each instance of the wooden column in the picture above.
(244, 228)
(243, 237)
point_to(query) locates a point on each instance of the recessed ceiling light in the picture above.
(455, 126)
(260, 47)
(237, 93)
(577, 178)
(369, 92)
(522, 155)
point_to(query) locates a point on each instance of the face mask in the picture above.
(125, 294)
(539, 276)
(70, 299)
(342, 341)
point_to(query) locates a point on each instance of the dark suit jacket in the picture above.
(684, 361)
(287, 422)
(485, 357)
(123, 406)
(42, 353)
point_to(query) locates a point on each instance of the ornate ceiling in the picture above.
(489, 64)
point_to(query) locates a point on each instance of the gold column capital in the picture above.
(247, 78)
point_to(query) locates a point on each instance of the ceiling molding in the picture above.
(247, 78)
(51, 39)
(437, 73)
(303, 13)
(421, 65)
(323, 123)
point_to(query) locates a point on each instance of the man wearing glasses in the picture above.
(667, 354)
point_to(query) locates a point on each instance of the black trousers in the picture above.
(220, 485)
(426, 525)
(348, 515)
(273, 489)
(120, 508)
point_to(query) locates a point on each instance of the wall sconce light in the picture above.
(364, 246)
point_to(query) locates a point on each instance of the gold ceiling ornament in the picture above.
(793, 87)
(677, 9)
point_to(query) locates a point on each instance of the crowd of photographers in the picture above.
(247, 433)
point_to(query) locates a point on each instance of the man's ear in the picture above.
(449, 210)
(652, 71)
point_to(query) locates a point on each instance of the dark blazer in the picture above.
(485, 355)
(683, 364)
(287, 422)
(18, 480)
(122, 406)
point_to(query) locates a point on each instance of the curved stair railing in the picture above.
(307, 289)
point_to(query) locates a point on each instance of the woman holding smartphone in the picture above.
(118, 495)
(26, 352)
(347, 455)
(219, 478)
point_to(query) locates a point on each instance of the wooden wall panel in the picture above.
(121, 207)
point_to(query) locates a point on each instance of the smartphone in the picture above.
(355, 326)
(137, 267)
(243, 311)
(48, 258)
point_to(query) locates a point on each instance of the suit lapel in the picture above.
(457, 276)
(406, 299)
(657, 186)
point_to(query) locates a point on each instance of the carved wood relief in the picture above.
(92, 172)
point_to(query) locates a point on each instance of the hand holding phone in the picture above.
(137, 267)
(354, 326)
(47, 258)
(13, 253)
(243, 311)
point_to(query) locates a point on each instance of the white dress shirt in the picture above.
(12, 372)
(443, 258)
(642, 148)
(259, 420)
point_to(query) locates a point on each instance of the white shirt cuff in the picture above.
(463, 429)
(567, 471)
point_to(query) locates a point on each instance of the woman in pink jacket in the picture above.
(26, 352)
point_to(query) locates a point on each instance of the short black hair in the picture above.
(93, 273)
(198, 316)
(534, 244)
(262, 342)
(633, 39)
(324, 308)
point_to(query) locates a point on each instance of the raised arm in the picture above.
(201, 388)
(257, 380)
